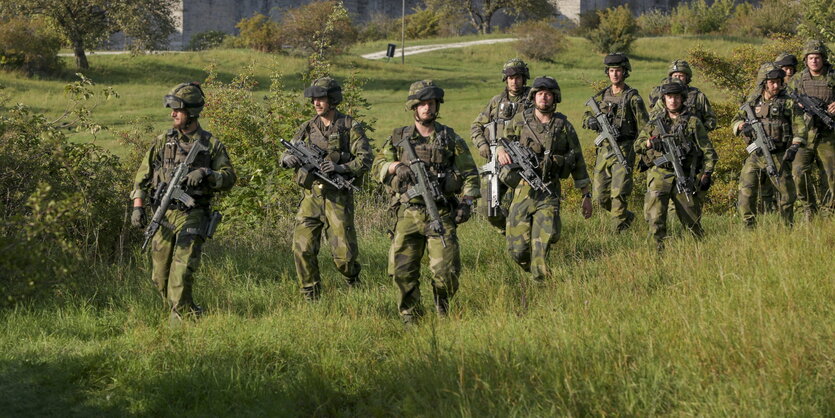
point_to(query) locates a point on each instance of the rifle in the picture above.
(814, 107)
(312, 158)
(761, 142)
(491, 171)
(673, 155)
(427, 188)
(607, 133)
(528, 163)
(171, 191)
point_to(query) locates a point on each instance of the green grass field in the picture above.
(740, 323)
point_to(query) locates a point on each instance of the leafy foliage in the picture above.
(616, 30)
(654, 23)
(698, 17)
(818, 20)
(320, 27)
(259, 33)
(206, 40)
(28, 45)
(764, 19)
(539, 40)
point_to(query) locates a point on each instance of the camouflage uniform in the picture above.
(627, 113)
(820, 140)
(696, 102)
(448, 160)
(533, 222)
(177, 245)
(777, 116)
(501, 109)
(691, 137)
(323, 207)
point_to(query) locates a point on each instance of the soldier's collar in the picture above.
(191, 136)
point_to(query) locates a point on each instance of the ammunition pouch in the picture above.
(510, 175)
(304, 177)
(565, 163)
(453, 182)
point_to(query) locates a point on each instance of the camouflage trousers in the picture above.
(823, 151)
(175, 256)
(412, 238)
(533, 224)
(660, 190)
(332, 212)
(613, 184)
(750, 185)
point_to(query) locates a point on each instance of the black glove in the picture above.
(593, 124)
(791, 152)
(747, 130)
(463, 212)
(291, 161)
(706, 182)
(194, 177)
(656, 143)
(137, 218)
(404, 174)
(484, 151)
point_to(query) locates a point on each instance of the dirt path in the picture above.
(411, 50)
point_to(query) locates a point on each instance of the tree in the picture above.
(86, 23)
(481, 11)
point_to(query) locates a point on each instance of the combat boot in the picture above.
(442, 306)
(312, 293)
(352, 282)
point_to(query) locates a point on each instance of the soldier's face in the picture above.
(615, 74)
(543, 99)
(773, 86)
(515, 82)
(426, 110)
(321, 105)
(680, 76)
(789, 71)
(814, 62)
(672, 102)
(179, 119)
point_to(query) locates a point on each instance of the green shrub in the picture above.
(539, 40)
(423, 23)
(587, 22)
(206, 40)
(28, 45)
(818, 20)
(233, 42)
(698, 17)
(767, 18)
(320, 27)
(616, 31)
(379, 27)
(260, 33)
(654, 23)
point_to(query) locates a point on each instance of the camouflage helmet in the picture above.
(815, 46)
(423, 90)
(187, 97)
(615, 60)
(325, 87)
(545, 83)
(515, 66)
(681, 66)
(786, 60)
(769, 71)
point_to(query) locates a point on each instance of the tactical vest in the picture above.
(521, 103)
(683, 139)
(776, 119)
(335, 138)
(615, 108)
(822, 88)
(439, 155)
(554, 152)
(174, 152)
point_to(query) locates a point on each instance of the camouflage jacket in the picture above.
(690, 136)
(696, 102)
(491, 113)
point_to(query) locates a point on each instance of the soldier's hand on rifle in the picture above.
(705, 182)
(655, 143)
(586, 205)
(291, 161)
(484, 151)
(831, 108)
(194, 177)
(138, 218)
(404, 174)
(504, 157)
(593, 124)
(747, 130)
(791, 152)
(464, 210)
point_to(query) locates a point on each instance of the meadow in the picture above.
(739, 323)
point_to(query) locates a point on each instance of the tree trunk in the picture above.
(80, 57)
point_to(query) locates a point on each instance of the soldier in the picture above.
(818, 81)
(774, 109)
(690, 139)
(788, 63)
(177, 245)
(324, 207)
(501, 110)
(627, 113)
(533, 222)
(452, 171)
(695, 100)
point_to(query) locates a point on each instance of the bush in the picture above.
(698, 17)
(28, 45)
(587, 22)
(260, 33)
(539, 40)
(320, 27)
(654, 23)
(423, 23)
(817, 21)
(616, 31)
(379, 27)
(770, 17)
(206, 40)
